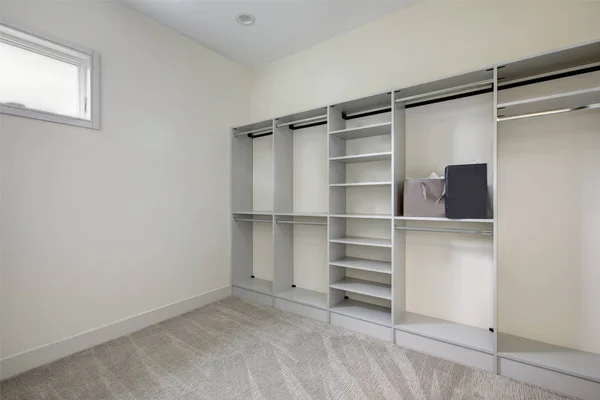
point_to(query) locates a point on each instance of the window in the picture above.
(48, 80)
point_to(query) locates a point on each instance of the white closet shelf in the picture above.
(555, 102)
(556, 358)
(447, 331)
(384, 267)
(442, 219)
(302, 214)
(360, 132)
(363, 216)
(256, 285)
(359, 184)
(253, 212)
(363, 241)
(364, 311)
(304, 296)
(360, 286)
(358, 158)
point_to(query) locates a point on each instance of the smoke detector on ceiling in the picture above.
(245, 19)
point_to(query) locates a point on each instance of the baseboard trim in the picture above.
(21, 362)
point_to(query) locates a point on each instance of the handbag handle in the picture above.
(424, 191)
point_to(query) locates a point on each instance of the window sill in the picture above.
(50, 117)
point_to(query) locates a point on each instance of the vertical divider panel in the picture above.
(242, 245)
(398, 237)
(495, 217)
(283, 235)
(283, 148)
(241, 173)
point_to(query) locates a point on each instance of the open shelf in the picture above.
(447, 331)
(373, 289)
(302, 214)
(363, 216)
(556, 102)
(383, 267)
(442, 219)
(556, 358)
(363, 241)
(384, 128)
(358, 158)
(364, 311)
(256, 285)
(267, 213)
(304, 296)
(360, 184)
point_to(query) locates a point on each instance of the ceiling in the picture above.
(282, 27)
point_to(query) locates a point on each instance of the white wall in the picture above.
(430, 40)
(98, 226)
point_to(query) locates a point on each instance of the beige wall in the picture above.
(98, 226)
(430, 40)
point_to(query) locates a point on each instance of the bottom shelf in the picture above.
(256, 285)
(447, 331)
(365, 311)
(556, 358)
(304, 296)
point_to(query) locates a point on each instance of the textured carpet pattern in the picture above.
(234, 350)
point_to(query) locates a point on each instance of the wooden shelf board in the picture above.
(363, 264)
(253, 213)
(384, 128)
(447, 331)
(257, 285)
(363, 311)
(556, 358)
(360, 286)
(302, 214)
(304, 296)
(358, 158)
(363, 241)
(442, 219)
(359, 184)
(363, 216)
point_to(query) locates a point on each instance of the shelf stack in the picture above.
(360, 206)
(335, 245)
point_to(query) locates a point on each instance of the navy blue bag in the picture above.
(466, 191)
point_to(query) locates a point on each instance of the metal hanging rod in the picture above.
(253, 220)
(301, 222)
(255, 131)
(543, 113)
(295, 128)
(462, 89)
(366, 113)
(444, 230)
(300, 121)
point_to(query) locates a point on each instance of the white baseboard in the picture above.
(21, 362)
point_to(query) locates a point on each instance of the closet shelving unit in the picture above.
(425, 247)
(465, 290)
(301, 213)
(360, 206)
(252, 224)
(536, 96)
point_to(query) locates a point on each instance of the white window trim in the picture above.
(94, 97)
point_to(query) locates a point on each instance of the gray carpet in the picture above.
(234, 350)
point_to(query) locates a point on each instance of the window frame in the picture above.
(89, 74)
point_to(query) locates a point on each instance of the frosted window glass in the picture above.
(38, 82)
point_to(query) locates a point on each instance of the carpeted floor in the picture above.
(234, 350)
